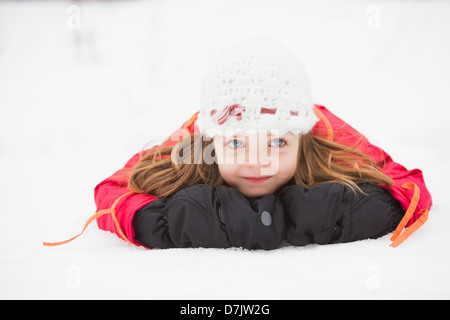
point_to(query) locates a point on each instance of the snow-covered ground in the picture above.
(85, 85)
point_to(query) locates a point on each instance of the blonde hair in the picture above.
(319, 161)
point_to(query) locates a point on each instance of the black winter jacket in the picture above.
(221, 217)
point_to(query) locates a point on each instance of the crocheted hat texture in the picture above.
(256, 85)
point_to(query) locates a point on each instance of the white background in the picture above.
(85, 85)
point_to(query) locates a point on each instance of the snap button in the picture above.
(266, 218)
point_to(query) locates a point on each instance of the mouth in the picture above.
(257, 179)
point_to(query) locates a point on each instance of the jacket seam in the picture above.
(190, 200)
(228, 221)
(337, 208)
(210, 242)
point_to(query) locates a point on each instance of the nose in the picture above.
(257, 163)
(262, 159)
(264, 165)
(258, 157)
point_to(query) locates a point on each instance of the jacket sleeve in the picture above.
(115, 187)
(343, 133)
(111, 189)
(211, 217)
(332, 213)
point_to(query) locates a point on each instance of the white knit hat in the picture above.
(256, 85)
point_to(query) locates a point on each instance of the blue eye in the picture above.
(278, 143)
(235, 144)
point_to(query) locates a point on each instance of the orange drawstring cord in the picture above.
(112, 210)
(330, 133)
(98, 214)
(398, 237)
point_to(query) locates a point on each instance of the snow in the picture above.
(86, 85)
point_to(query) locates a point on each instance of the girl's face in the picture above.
(257, 164)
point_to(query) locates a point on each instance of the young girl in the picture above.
(260, 164)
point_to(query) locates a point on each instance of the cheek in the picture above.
(287, 165)
(283, 165)
(287, 168)
(227, 169)
(228, 172)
